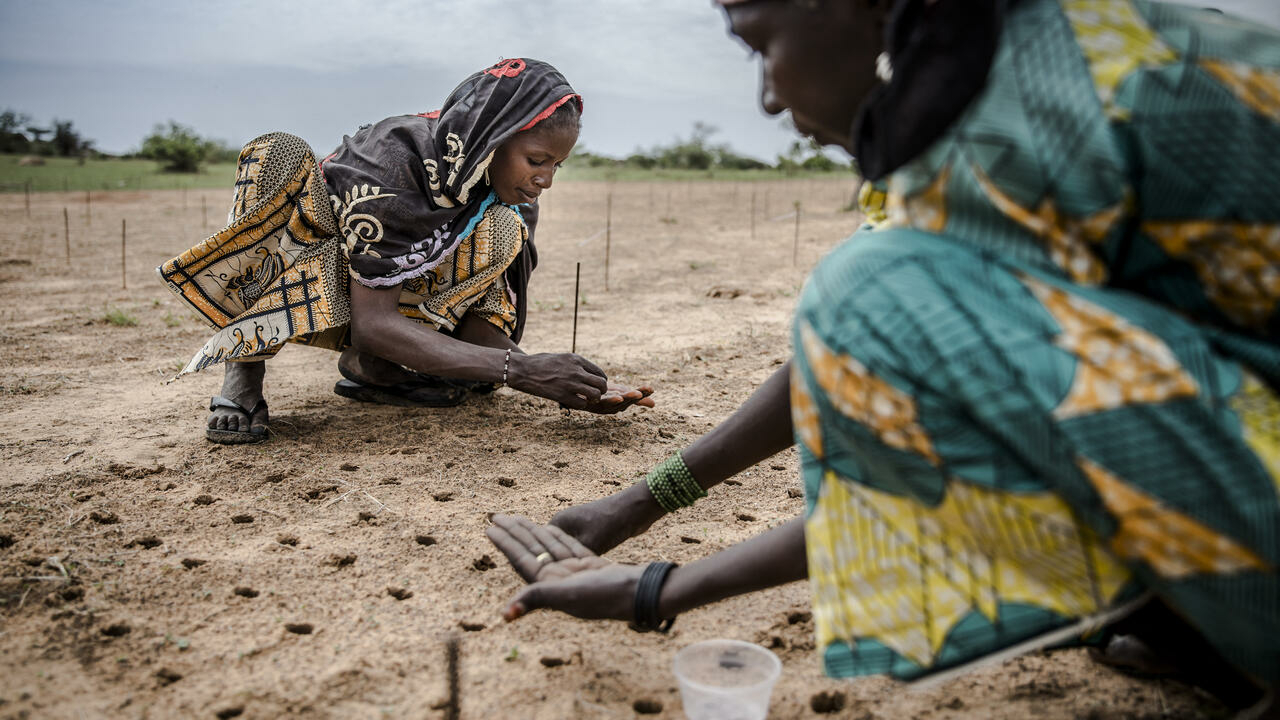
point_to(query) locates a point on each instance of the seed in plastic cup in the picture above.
(726, 680)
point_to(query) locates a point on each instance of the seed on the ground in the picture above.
(552, 661)
(471, 626)
(690, 540)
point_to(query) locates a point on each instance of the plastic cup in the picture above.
(726, 680)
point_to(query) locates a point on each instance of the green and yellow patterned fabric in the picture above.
(1046, 383)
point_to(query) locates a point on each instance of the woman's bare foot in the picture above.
(242, 385)
(372, 370)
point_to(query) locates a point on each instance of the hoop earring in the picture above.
(884, 67)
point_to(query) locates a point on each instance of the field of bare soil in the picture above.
(146, 573)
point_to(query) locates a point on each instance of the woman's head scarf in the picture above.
(409, 189)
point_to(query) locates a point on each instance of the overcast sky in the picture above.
(233, 69)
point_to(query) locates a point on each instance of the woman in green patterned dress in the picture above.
(1040, 397)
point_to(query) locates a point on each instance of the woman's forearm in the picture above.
(775, 558)
(759, 429)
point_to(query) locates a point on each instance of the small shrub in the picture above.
(119, 317)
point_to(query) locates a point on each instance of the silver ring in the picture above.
(543, 557)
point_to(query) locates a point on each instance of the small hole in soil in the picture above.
(471, 626)
(827, 702)
(337, 560)
(560, 464)
(365, 516)
(192, 563)
(799, 616)
(795, 492)
(228, 713)
(348, 467)
(443, 496)
(287, 540)
(6, 541)
(425, 540)
(484, 563)
(116, 630)
(167, 676)
(205, 500)
(647, 707)
(104, 518)
(147, 542)
(744, 517)
(246, 592)
(241, 519)
(690, 540)
(317, 492)
(72, 594)
(734, 483)
(274, 477)
(506, 482)
(399, 593)
(299, 628)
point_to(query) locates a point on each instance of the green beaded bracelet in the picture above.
(672, 485)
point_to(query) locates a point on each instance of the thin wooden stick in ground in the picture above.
(66, 232)
(795, 245)
(608, 241)
(124, 280)
(453, 657)
(577, 280)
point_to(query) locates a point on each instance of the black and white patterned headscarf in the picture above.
(407, 190)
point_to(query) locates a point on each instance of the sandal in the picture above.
(237, 437)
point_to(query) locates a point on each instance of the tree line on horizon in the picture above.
(180, 149)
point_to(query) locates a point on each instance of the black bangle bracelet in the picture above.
(647, 592)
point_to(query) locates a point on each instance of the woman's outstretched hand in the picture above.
(569, 578)
(620, 397)
(574, 382)
(603, 524)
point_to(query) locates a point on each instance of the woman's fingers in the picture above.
(524, 562)
(570, 542)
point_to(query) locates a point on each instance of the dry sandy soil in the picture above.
(148, 573)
